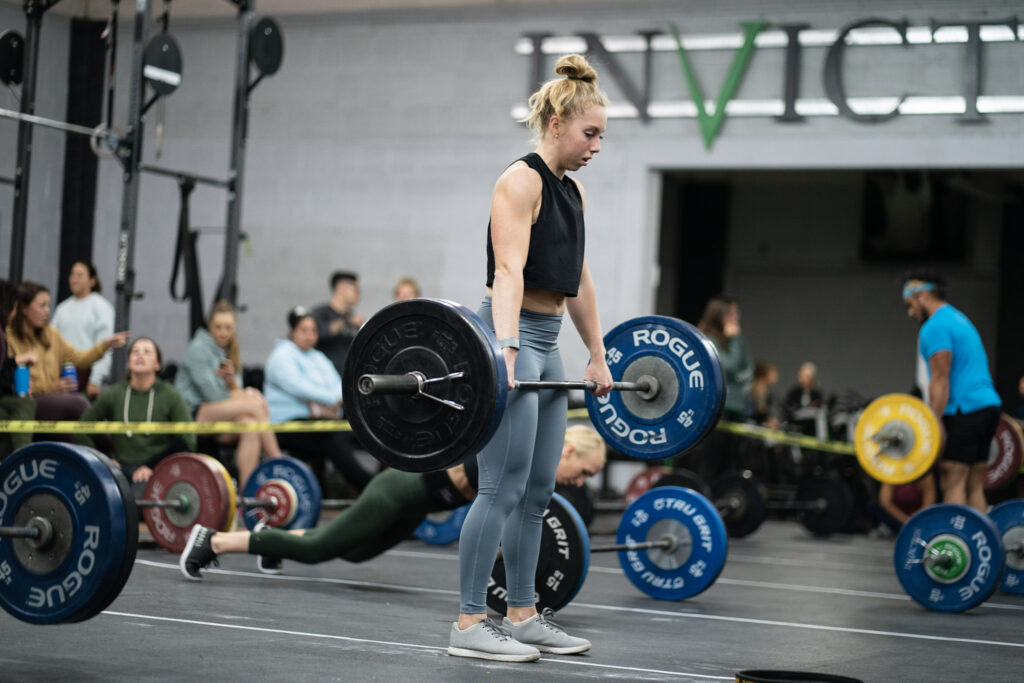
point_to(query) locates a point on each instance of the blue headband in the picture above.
(912, 287)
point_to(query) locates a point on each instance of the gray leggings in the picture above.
(517, 472)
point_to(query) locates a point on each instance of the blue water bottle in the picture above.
(68, 370)
(21, 380)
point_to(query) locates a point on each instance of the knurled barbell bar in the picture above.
(414, 384)
(424, 386)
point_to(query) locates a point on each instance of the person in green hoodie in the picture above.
(141, 397)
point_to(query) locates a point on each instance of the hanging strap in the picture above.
(185, 258)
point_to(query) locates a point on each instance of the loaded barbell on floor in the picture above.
(424, 386)
(951, 558)
(671, 544)
(69, 529)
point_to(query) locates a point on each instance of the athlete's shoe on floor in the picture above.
(487, 640)
(545, 635)
(268, 564)
(198, 553)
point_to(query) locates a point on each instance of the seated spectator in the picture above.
(336, 321)
(29, 331)
(804, 402)
(85, 318)
(12, 406)
(406, 288)
(141, 397)
(301, 384)
(763, 409)
(210, 379)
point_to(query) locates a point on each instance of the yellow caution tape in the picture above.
(308, 426)
(765, 434)
(779, 437)
(74, 427)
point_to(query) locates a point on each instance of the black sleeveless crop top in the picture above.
(555, 259)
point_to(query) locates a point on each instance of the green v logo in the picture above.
(710, 125)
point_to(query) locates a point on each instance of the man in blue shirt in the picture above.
(960, 388)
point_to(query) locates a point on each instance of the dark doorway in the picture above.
(692, 248)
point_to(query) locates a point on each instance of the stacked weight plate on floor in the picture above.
(949, 557)
(897, 439)
(690, 393)
(293, 485)
(686, 547)
(84, 504)
(1009, 519)
(697, 545)
(643, 481)
(829, 503)
(740, 498)
(1005, 454)
(202, 484)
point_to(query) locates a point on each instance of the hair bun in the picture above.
(577, 68)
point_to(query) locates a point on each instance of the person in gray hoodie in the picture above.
(210, 379)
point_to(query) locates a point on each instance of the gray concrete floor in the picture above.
(785, 600)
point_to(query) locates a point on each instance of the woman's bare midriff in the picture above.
(541, 301)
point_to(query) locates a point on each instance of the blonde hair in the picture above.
(588, 444)
(564, 97)
(233, 350)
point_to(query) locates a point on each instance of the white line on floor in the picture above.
(390, 643)
(790, 624)
(748, 584)
(612, 608)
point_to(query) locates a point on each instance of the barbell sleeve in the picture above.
(402, 385)
(20, 532)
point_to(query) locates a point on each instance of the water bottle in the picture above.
(68, 370)
(21, 380)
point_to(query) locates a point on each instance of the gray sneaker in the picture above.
(545, 635)
(487, 640)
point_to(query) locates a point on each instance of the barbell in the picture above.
(103, 140)
(69, 529)
(672, 545)
(425, 385)
(68, 540)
